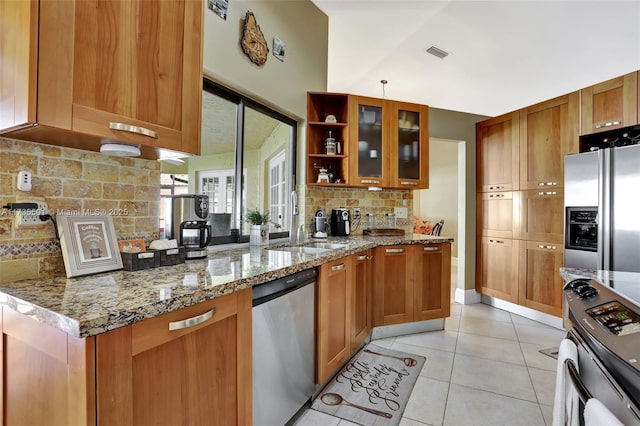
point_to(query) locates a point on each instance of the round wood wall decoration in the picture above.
(253, 42)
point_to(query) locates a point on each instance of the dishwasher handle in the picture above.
(262, 293)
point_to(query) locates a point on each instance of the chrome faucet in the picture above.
(296, 233)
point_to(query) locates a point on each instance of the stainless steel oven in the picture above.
(605, 326)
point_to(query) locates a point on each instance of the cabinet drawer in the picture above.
(164, 328)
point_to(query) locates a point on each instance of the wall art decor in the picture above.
(278, 48)
(253, 43)
(89, 244)
(219, 7)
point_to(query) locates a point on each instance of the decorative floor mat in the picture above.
(373, 388)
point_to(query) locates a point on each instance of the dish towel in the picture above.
(565, 403)
(596, 414)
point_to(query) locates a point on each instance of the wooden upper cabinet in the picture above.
(497, 145)
(548, 131)
(389, 145)
(409, 146)
(611, 104)
(369, 135)
(124, 71)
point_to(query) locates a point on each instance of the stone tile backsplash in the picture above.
(71, 181)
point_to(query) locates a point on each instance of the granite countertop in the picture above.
(87, 306)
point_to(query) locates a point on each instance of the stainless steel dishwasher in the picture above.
(283, 347)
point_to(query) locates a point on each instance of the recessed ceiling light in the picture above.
(120, 150)
(437, 52)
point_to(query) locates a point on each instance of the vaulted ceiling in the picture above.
(503, 54)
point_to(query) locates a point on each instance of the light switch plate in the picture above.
(401, 212)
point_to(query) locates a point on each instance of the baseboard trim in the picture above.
(523, 311)
(407, 328)
(467, 297)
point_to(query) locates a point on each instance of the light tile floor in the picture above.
(484, 368)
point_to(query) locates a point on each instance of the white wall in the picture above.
(440, 201)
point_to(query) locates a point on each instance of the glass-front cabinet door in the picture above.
(369, 139)
(409, 145)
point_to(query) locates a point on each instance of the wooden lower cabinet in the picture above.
(497, 268)
(334, 317)
(361, 319)
(540, 281)
(142, 374)
(47, 375)
(411, 283)
(432, 282)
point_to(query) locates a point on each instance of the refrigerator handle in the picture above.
(604, 215)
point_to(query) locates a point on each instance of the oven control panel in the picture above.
(616, 318)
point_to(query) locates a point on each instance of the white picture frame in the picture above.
(89, 245)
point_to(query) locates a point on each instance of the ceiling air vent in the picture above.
(435, 51)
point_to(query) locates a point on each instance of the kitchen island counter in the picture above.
(87, 306)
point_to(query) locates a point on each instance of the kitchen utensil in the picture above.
(330, 145)
(335, 399)
(409, 362)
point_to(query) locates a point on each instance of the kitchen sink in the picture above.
(328, 246)
(301, 249)
(317, 247)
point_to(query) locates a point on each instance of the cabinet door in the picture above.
(369, 158)
(409, 145)
(548, 131)
(432, 284)
(540, 281)
(497, 268)
(18, 68)
(334, 301)
(47, 375)
(361, 320)
(498, 214)
(195, 374)
(543, 215)
(393, 286)
(123, 83)
(610, 104)
(497, 150)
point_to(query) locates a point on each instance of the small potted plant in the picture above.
(259, 234)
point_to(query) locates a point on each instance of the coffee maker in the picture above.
(187, 223)
(340, 222)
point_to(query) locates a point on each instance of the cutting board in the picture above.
(382, 232)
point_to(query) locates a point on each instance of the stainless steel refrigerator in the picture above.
(602, 209)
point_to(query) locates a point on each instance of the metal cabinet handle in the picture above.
(607, 124)
(337, 267)
(496, 241)
(431, 249)
(190, 322)
(496, 195)
(408, 183)
(548, 184)
(363, 257)
(398, 250)
(133, 129)
(542, 246)
(547, 193)
(369, 181)
(497, 187)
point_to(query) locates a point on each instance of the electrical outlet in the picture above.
(401, 212)
(356, 213)
(31, 218)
